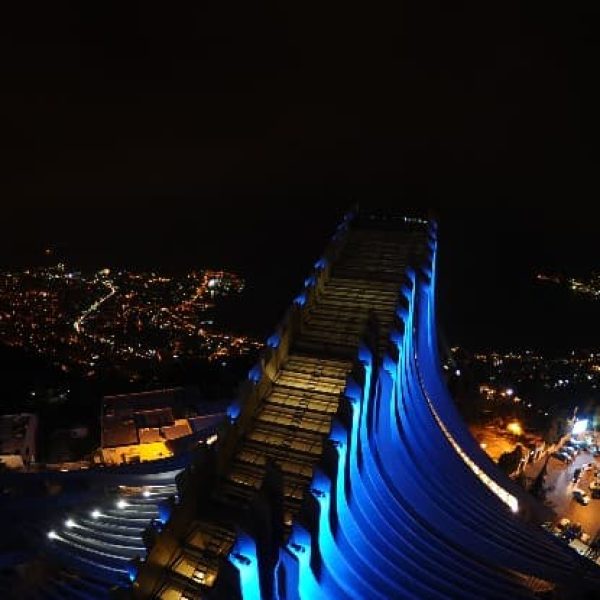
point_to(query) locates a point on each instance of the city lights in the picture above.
(589, 286)
(118, 320)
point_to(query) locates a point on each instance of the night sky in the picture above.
(236, 134)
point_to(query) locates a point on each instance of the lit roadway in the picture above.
(86, 313)
(559, 480)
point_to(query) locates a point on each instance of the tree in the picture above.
(538, 489)
(509, 461)
(521, 480)
(552, 434)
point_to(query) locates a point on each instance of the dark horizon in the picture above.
(210, 135)
(475, 100)
(488, 259)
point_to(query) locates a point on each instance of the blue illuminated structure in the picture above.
(349, 473)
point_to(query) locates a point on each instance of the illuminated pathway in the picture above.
(347, 472)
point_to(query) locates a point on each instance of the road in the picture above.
(559, 480)
(85, 314)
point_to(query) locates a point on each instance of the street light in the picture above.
(515, 428)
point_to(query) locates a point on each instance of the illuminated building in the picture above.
(152, 425)
(347, 471)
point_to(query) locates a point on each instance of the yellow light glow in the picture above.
(515, 428)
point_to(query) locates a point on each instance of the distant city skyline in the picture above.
(488, 262)
(127, 322)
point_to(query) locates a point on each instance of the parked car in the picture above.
(572, 531)
(581, 496)
(565, 458)
(576, 528)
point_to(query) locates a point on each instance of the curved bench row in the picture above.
(96, 544)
